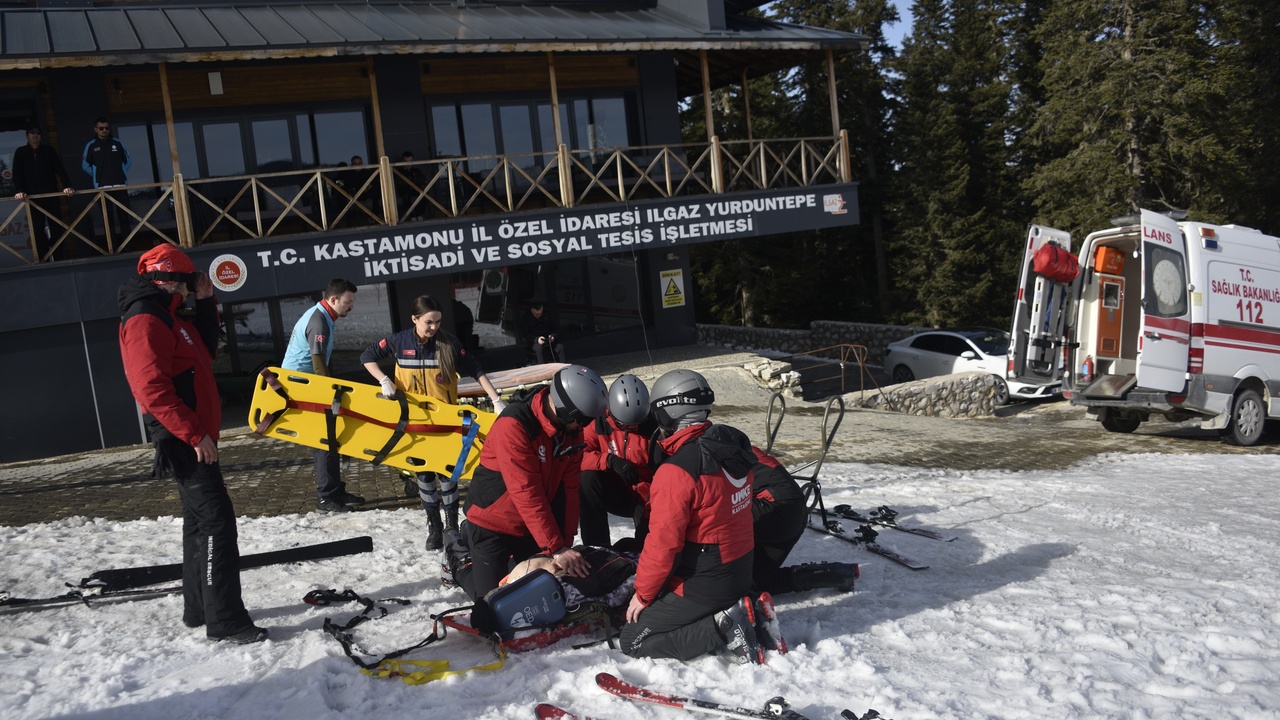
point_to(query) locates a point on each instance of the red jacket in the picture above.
(700, 527)
(527, 481)
(606, 437)
(168, 360)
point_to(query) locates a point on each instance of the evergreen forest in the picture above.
(994, 115)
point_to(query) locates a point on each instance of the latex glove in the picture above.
(388, 386)
(499, 405)
(624, 469)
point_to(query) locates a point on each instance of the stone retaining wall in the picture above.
(966, 395)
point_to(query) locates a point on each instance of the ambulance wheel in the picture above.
(1002, 392)
(1248, 419)
(902, 374)
(1121, 422)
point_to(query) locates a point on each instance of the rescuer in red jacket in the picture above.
(168, 361)
(695, 570)
(615, 464)
(524, 495)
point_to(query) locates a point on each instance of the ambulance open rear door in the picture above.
(1039, 315)
(1166, 313)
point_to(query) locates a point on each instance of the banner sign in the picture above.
(258, 269)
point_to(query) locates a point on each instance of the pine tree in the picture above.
(1133, 113)
(957, 241)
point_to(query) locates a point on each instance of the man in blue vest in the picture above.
(310, 350)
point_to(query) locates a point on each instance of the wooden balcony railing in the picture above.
(208, 210)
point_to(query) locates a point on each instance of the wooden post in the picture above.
(706, 95)
(385, 176)
(563, 163)
(831, 92)
(181, 215)
(377, 110)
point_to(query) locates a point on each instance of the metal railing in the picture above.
(192, 212)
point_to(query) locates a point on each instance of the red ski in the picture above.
(775, 709)
(546, 711)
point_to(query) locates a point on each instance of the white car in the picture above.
(944, 352)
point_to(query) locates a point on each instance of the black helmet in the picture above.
(628, 400)
(681, 397)
(578, 395)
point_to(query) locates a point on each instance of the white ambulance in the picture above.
(1171, 318)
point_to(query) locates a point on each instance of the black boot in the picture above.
(815, 576)
(435, 539)
(451, 518)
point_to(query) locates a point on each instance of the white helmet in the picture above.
(628, 400)
(681, 398)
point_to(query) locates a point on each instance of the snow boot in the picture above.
(451, 519)
(456, 557)
(768, 629)
(737, 626)
(815, 576)
(435, 539)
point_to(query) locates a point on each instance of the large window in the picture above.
(523, 128)
(211, 148)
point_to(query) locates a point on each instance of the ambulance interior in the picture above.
(1108, 318)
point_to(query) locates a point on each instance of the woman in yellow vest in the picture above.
(428, 362)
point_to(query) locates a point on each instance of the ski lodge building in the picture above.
(494, 152)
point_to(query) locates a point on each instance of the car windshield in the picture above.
(990, 342)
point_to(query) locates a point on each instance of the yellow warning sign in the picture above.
(672, 288)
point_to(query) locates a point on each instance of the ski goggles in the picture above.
(192, 279)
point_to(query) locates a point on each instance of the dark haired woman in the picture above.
(428, 362)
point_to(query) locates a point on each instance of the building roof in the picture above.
(46, 37)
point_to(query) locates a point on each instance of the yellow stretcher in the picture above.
(411, 432)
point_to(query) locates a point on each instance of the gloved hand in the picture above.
(388, 386)
(499, 405)
(624, 469)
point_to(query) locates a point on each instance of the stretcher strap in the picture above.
(436, 669)
(269, 419)
(469, 430)
(331, 414)
(347, 412)
(397, 433)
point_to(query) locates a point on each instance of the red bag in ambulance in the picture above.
(1055, 263)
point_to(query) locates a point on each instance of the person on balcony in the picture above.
(540, 333)
(428, 362)
(107, 162)
(38, 170)
(408, 187)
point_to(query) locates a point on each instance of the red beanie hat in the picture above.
(165, 258)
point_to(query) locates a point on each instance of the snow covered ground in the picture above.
(1139, 586)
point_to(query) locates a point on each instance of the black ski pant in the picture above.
(210, 549)
(604, 493)
(493, 554)
(673, 627)
(328, 474)
(776, 533)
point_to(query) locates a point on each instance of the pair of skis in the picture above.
(776, 709)
(120, 584)
(864, 537)
(885, 516)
